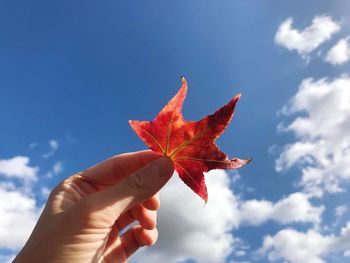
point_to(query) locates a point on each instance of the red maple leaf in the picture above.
(189, 144)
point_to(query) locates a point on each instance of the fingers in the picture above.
(137, 237)
(131, 241)
(145, 214)
(135, 189)
(152, 203)
(112, 170)
(147, 218)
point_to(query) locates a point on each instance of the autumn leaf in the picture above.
(189, 144)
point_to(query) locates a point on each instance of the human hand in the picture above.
(86, 213)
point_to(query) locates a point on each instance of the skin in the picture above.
(85, 214)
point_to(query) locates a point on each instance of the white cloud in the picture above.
(322, 146)
(294, 153)
(340, 211)
(18, 216)
(55, 170)
(45, 192)
(33, 145)
(304, 247)
(240, 249)
(53, 148)
(18, 167)
(296, 247)
(53, 144)
(321, 29)
(339, 53)
(190, 230)
(18, 208)
(295, 208)
(342, 242)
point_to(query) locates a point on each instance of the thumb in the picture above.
(136, 188)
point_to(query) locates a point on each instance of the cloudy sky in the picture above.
(72, 73)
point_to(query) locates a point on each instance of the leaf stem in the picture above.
(186, 143)
(168, 134)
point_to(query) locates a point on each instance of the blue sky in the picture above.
(72, 73)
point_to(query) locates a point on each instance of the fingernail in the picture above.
(165, 166)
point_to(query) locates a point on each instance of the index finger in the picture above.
(113, 170)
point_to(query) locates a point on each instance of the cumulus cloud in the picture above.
(190, 230)
(339, 53)
(18, 208)
(18, 167)
(321, 127)
(296, 247)
(299, 247)
(295, 208)
(307, 40)
(18, 216)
